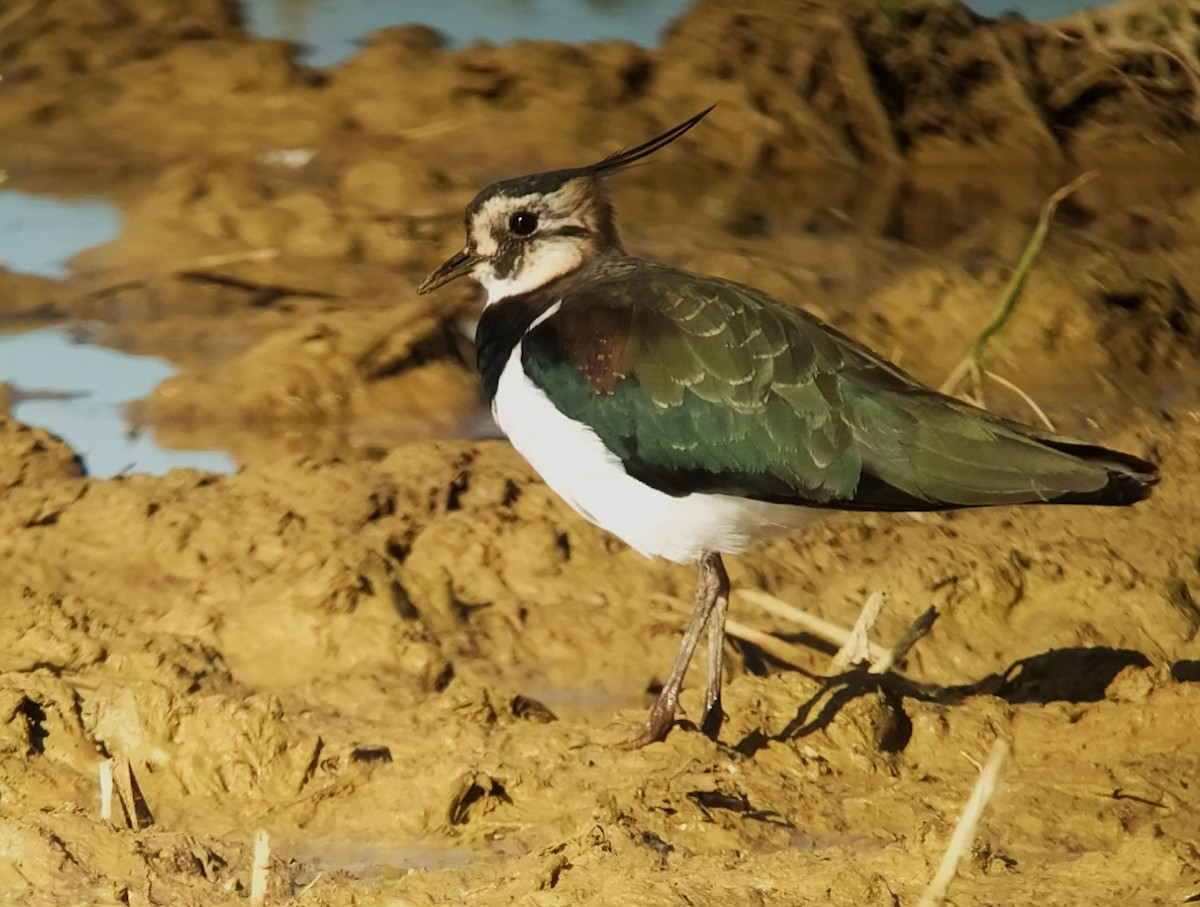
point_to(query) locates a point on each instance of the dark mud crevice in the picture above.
(35, 727)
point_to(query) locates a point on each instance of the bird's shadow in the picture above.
(1080, 674)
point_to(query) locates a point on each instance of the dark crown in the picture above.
(553, 181)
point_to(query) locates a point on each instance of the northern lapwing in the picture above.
(692, 416)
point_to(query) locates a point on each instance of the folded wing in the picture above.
(703, 385)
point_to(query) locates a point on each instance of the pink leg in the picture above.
(712, 599)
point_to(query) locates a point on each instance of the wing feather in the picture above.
(702, 385)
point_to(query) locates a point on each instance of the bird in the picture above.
(692, 416)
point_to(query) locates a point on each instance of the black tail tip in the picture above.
(1130, 479)
(1131, 487)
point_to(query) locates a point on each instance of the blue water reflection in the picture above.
(93, 422)
(331, 30)
(1034, 10)
(39, 234)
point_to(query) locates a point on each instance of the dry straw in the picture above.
(259, 869)
(964, 831)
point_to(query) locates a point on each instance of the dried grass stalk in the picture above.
(964, 831)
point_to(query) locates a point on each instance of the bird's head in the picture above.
(524, 232)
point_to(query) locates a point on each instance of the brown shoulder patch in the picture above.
(597, 340)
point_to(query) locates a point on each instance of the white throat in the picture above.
(549, 261)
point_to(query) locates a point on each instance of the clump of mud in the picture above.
(400, 655)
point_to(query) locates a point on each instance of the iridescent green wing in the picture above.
(702, 385)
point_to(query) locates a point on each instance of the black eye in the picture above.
(523, 223)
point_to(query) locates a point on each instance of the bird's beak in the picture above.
(458, 265)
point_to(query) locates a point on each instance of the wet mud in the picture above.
(385, 643)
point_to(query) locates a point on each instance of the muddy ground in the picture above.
(389, 646)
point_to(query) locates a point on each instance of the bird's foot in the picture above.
(662, 718)
(714, 717)
(658, 724)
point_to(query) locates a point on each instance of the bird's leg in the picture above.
(713, 715)
(713, 586)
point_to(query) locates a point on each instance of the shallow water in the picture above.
(332, 30)
(1034, 10)
(38, 235)
(79, 391)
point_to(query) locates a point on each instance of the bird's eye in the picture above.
(523, 223)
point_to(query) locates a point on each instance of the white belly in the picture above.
(575, 463)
